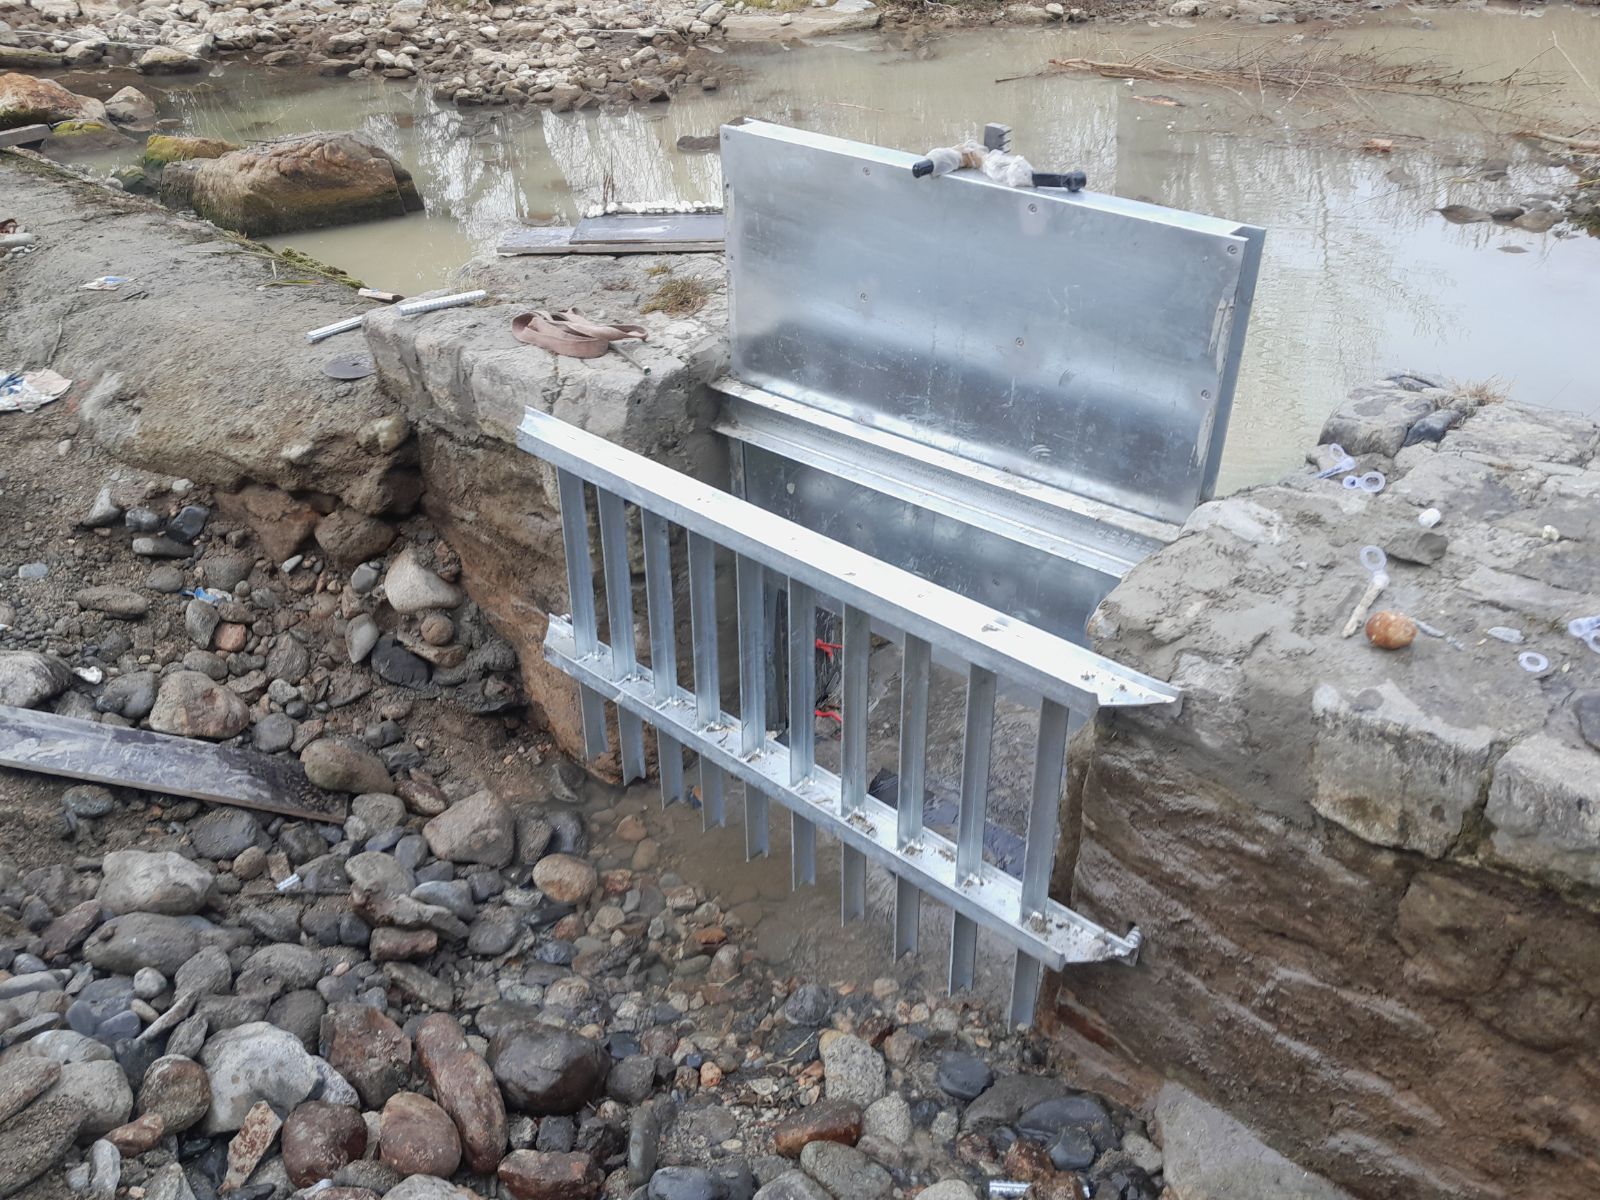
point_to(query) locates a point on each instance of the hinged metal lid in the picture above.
(1076, 339)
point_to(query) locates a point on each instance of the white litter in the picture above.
(30, 391)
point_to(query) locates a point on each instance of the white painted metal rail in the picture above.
(780, 764)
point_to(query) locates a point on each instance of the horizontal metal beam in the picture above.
(988, 896)
(1101, 536)
(1023, 654)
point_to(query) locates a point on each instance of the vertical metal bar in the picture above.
(663, 643)
(619, 611)
(736, 469)
(750, 582)
(1049, 771)
(580, 588)
(802, 851)
(853, 755)
(853, 709)
(914, 671)
(975, 771)
(802, 682)
(713, 803)
(1025, 977)
(707, 679)
(963, 952)
(969, 823)
(802, 724)
(1039, 851)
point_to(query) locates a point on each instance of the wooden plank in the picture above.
(155, 762)
(24, 135)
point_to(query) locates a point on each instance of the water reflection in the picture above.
(1360, 275)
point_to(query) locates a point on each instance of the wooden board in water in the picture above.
(155, 762)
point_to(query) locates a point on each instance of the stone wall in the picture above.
(1367, 879)
(463, 382)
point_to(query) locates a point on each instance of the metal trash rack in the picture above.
(968, 475)
(995, 647)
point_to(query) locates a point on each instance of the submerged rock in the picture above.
(307, 182)
(131, 108)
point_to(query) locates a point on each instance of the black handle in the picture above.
(1073, 181)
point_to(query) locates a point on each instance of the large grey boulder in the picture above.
(125, 944)
(249, 1064)
(28, 679)
(477, 829)
(102, 1090)
(193, 705)
(139, 881)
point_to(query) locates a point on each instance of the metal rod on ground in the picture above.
(328, 331)
(410, 308)
(628, 354)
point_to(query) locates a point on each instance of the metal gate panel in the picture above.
(1077, 339)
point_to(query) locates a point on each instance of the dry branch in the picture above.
(1262, 65)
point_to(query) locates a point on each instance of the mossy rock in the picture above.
(134, 180)
(78, 128)
(163, 148)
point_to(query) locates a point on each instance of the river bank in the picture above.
(556, 53)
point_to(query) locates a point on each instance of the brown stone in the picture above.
(350, 538)
(632, 829)
(417, 1137)
(467, 1090)
(437, 629)
(538, 1175)
(400, 945)
(68, 931)
(368, 1049)
(250, 1145)
(826, 1121)
(231, 638)
(177, 1089)
(424, 799)
(137, 1136)
(1027, 1161)
(280, 522)
(318, 1138)
(565, 878)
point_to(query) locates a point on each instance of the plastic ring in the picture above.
(1373, 559)
(1533, 662)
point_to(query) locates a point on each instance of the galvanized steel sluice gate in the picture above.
(958, 413)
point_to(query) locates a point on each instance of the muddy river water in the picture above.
(1361, 275)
